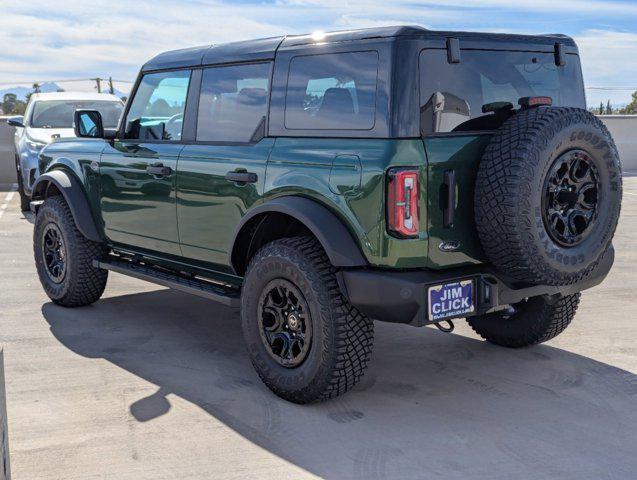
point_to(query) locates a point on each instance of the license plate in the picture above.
(451, 300)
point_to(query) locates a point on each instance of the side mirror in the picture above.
(16, 121)
(88, 124)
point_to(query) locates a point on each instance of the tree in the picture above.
(9, 102)
(609, 108)
(20, 107)
(601, 108)
(631, 108)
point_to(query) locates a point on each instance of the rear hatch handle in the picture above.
(449, 198)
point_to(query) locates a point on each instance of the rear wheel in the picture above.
(530, 322)
(64, 257)
(306, 342)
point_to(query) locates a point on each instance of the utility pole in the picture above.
(98, 84)
(111, 90)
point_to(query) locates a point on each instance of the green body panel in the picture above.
(137, 208)
(209, 207)
(78, 157)
(326, 170)
(461, 154)
(191, 216)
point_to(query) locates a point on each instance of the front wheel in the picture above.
(305, 340)
(64, 257)
(529, 322)
(24, 198)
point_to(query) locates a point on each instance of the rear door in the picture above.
(221, 173)
(138, 172)
(457, 120)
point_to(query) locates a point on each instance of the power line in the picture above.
(31, 82)
(618, 89)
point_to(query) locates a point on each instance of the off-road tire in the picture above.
(510, 184)
(25, 200)
(536, 320)
(342, 337)
(82, 284)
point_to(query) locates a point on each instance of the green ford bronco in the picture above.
(320, 182)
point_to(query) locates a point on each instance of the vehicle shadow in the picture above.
(431, 405)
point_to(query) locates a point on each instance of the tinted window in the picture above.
(452, 96)
(233, 102)
(60, 113)
(332, 91)
(157, 111)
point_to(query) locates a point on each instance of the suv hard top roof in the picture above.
(265, 48)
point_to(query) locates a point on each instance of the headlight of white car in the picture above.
(35, 146)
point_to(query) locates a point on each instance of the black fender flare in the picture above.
(339, 244)
(74, 195)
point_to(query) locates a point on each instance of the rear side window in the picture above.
(452, 96)
(233, 102)
(332, 91)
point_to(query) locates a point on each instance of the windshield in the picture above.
(60, 113)
(452, 96)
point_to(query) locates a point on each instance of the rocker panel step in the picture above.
(182, 283)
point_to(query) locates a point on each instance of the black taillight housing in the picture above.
(403, 191)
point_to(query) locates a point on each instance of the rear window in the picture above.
(332, 91)
(61, 113)
(452, 95)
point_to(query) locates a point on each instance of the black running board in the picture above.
(193, 285)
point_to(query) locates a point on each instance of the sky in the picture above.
(74, 39)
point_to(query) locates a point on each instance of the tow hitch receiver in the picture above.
(448, 329)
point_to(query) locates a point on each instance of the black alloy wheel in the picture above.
(54, 253)
(285, 323)
(569, 203)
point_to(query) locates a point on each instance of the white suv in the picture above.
(49, 116)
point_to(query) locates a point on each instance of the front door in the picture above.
(138, 171)
(221, 175)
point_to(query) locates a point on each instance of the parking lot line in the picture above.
(7, 199)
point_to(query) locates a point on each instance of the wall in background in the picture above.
(7, 158)
(623, 128)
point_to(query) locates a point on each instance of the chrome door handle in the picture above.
(242, 177)
(159, 171)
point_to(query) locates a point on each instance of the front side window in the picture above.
(332, 91)
(233, 103)
(157, 110)
(471, 95)
(61, 113)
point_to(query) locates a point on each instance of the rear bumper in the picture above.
(401, 297)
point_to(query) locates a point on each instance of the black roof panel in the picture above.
(265, 48)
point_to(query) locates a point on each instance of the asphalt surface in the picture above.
(153, 384)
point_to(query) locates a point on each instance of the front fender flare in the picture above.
(339, 244)
(74, 195)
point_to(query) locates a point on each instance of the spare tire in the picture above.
(548, 195)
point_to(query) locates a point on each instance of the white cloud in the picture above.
(45, 40)
(608, 60)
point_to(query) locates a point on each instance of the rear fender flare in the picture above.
(339, 244)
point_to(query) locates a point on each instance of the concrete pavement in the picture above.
(154, 384)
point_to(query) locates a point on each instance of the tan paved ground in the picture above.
(153, 384)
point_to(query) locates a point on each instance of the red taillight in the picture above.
(528, 102)
(402, 202)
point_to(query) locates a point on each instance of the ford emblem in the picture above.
(450, 246)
